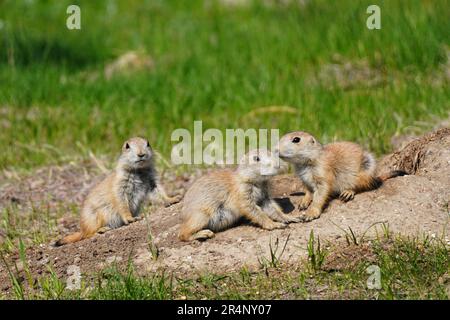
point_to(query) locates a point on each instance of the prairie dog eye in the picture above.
(127, 146)
(148, 144)
(256, 158)
(296, 140)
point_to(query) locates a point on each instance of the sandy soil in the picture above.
(416, 204)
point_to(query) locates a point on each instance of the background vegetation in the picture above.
(215, 62)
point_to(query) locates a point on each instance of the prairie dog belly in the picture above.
(137, 189)
(344, 181)
(306, 175)
(259, 195)
(223, 218)
(115, 221)
(227, 214)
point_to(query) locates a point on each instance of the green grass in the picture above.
(32, 226)
(215, 64)
(411, 268)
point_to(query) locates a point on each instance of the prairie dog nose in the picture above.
(141, 155)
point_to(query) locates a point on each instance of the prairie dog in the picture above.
(218, 200)
(336, 169)
(117, 200)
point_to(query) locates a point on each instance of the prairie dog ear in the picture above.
(126, 146)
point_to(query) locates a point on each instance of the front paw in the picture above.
(310, 214)
(304, 203)
(347, 195)
(172, 200)
(275, 225)
(293, 219)
(133, 219)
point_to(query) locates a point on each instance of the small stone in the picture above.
(19, 266)
(113, 259)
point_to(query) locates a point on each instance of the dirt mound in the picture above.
(427, 148)
(410, 205)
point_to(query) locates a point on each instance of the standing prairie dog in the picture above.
(218, 200)
(336, 169)
(117, 200)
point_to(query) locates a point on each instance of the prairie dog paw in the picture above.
(310, 214)
(203, 235)
(304, 203)
(172, 200)
(275, 225)
(347, 195)
(133, 219)
(103, 230)
(293, 219)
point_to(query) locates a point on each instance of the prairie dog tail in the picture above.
(74, 237)
(378, 181)
(368, 182)
(391, 174)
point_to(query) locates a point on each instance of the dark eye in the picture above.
(148, 144)
(256, 158)
(296, 140)
(127, 146)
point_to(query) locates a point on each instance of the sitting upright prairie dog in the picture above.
(117, 200)
(218, 200)
(336, 169)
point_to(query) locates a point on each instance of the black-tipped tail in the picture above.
(392, 174)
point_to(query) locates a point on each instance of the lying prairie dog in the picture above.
(219, 199)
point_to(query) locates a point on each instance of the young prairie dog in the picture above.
(336, 169)
(218, 200)
(117, 200)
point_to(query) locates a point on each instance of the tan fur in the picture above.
(336, 169)
(117, 200)
(220, 199)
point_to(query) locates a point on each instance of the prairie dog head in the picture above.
(298, 147)
(259, 164)
(136, 154)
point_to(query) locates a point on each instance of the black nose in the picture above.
(141, 155)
